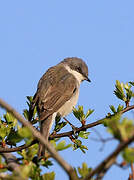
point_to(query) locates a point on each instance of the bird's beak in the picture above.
(87, 79)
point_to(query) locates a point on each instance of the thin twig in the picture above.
(82, 128)
(123, 164)
(110, 160)
(127, 109)
(101, 139)
(69, 170)
(19, 148)
(73, 127)
(100, 136)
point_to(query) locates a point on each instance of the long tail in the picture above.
(45, 127)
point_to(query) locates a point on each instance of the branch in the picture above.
(66, 134)
(108, 162)
(127, 109)
(12, 165)
(83, 128)
(11, 161)
(69, 170)
(19, 148)
(101, 139)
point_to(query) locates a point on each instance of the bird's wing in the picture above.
(53, 94)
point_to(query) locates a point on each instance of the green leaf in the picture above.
(26, 170)
(35, 111)
(29, 103)
(14, 137)
(59, 126)
(25, 132)
(31, 152)
(79, 114)
(84, 171)
(120, 88)
(112, 124)
(78, 144)
(127, 86)
(120, 128)
(4, 131)
(84, 134)
(112, 109)
(82, 147)
(23, 153)
(10, 119)
(129, 93)
(26, 114)
(30, 99)
(119, 92)
(120, 108)
(35, 172)
(53, 142)
(89, 112)
(126, 128)
(62, 145)
(46, 163)
(128, 155)
(111, 120)
(57, 119)
(49, 176)
(132, 83)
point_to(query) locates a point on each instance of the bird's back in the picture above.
(51, 86)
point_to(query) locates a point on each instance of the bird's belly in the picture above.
(68, 106)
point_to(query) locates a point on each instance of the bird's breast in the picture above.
(68, 106)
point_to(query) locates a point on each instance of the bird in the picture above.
(57, 94)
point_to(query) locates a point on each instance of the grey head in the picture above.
(77, 65)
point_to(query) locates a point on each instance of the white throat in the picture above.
(76, 74)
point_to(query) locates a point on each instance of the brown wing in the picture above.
(54, 89)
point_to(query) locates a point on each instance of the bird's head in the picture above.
(77, 67)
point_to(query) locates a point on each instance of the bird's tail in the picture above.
(45, 127)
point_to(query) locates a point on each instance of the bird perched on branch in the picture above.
(57, 93)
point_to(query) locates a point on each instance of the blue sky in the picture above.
(36, 35)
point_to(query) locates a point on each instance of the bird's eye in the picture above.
(78, 69)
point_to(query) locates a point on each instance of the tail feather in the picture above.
(45, 127)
